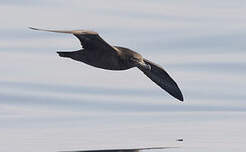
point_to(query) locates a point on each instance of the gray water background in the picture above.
(50, 104)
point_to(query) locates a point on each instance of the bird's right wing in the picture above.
(162, 79)
(88, 39)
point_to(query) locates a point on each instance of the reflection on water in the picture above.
(51, 104)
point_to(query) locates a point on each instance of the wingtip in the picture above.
(179, 96)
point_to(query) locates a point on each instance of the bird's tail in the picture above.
(64, 54)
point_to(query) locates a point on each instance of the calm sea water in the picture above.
(48, 103)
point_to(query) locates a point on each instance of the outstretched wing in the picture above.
(122, 150)
(162, 79)
(88, 39)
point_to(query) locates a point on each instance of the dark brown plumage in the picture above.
(98, 53)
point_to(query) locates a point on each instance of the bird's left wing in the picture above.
(88, 39)
(162, 79)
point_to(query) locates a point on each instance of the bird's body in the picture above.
(98, 53)
(98, 58)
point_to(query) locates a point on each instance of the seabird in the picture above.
(121, 150)
(98, 53)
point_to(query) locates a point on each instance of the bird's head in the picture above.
(137, 61)
(132, 58)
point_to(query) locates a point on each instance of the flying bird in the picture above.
(98, 53)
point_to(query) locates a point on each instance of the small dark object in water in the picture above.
(180, 139)
(98, 53)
